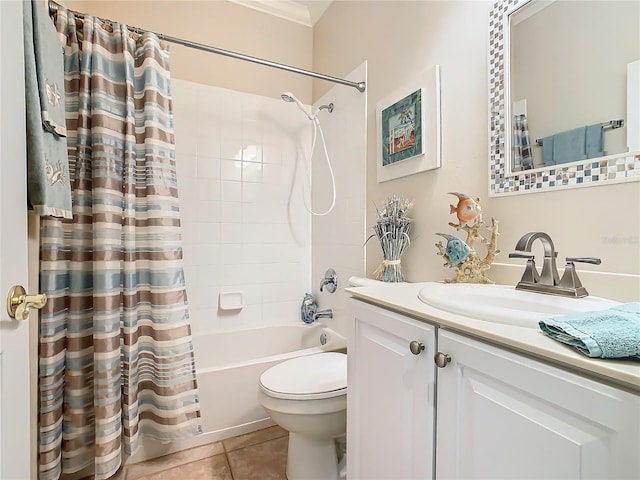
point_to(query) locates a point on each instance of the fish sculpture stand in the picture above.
(461, 255)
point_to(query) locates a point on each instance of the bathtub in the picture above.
(228, 367)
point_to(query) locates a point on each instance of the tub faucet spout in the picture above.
(328, 313)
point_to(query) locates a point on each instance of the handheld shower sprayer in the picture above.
(291, 98)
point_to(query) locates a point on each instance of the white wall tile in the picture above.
(241, 229)
(208, 167)
(207, 189)
(208, 211)
(231, 191)
(231, 233)
(231, 170)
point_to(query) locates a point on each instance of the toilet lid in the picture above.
(322, 375)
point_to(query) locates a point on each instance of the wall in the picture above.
(339, 237)
(224, 25)
(601, 221)
(240, 178)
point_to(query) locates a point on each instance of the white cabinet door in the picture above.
(15, 460)
(502, 415)
(390, 401)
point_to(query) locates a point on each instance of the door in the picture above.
(502, 415)
(14, 335)
(390, 402)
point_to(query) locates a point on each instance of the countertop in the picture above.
(403, 298)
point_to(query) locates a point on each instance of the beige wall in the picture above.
(223, 25)
(399, 39)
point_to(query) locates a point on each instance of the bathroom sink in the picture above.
(505, 304)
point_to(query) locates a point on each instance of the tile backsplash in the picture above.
(241, 167)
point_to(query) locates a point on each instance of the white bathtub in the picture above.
(228, 366)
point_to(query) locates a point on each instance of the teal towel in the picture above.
(48, 187)
(594, 141)
(612, 333)
(547, 150)
(569, 146)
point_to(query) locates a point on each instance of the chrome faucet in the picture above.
(328, 313)
(549, 275)
(549, 281)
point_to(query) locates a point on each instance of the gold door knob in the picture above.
(19, 303)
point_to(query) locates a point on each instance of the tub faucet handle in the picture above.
(330, 281)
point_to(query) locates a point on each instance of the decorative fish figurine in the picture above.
(457, 250)
(468, 210)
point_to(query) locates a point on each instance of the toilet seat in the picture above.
(311, 377)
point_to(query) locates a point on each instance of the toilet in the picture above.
(307, 396)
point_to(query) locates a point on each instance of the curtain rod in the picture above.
(360, 86)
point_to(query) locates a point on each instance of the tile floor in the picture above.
(260, 455)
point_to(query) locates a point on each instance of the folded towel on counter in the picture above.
(594, 141)
(48, 186)
(611, 333)
(569, 146)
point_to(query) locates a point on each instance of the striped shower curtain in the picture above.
(521, 147)
(115, 355)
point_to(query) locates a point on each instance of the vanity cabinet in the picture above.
(503, 415)
(499, 414)
(390, 404)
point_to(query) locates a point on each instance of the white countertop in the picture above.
(403, 298)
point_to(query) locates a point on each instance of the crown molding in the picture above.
(287, 9)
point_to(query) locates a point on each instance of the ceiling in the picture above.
(305, 12)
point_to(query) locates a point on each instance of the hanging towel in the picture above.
(48, 186)
(569, 146)
(547, 150)
(612, 333)
(594, 141)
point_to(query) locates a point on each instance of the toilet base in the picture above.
(311, 459)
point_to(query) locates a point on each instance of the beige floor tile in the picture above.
(254, 438)
(264, 461)
(166, 462)
(213, 468)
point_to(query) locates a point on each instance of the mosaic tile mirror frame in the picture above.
(623, 167)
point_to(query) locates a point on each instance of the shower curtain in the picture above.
(115, 355)
(521, 148)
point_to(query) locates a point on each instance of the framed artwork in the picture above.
(408, 128)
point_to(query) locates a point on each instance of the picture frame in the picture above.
(408, 128)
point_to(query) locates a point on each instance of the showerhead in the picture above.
(290, 97)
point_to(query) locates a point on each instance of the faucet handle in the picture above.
(330, 280)
(531, 275)
(570, 278)
(591, 260)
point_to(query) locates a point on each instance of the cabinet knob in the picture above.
(416, 347)
(442, 359)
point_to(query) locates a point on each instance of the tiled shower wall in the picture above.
(241, 168)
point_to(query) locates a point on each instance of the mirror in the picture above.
(564, 101)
